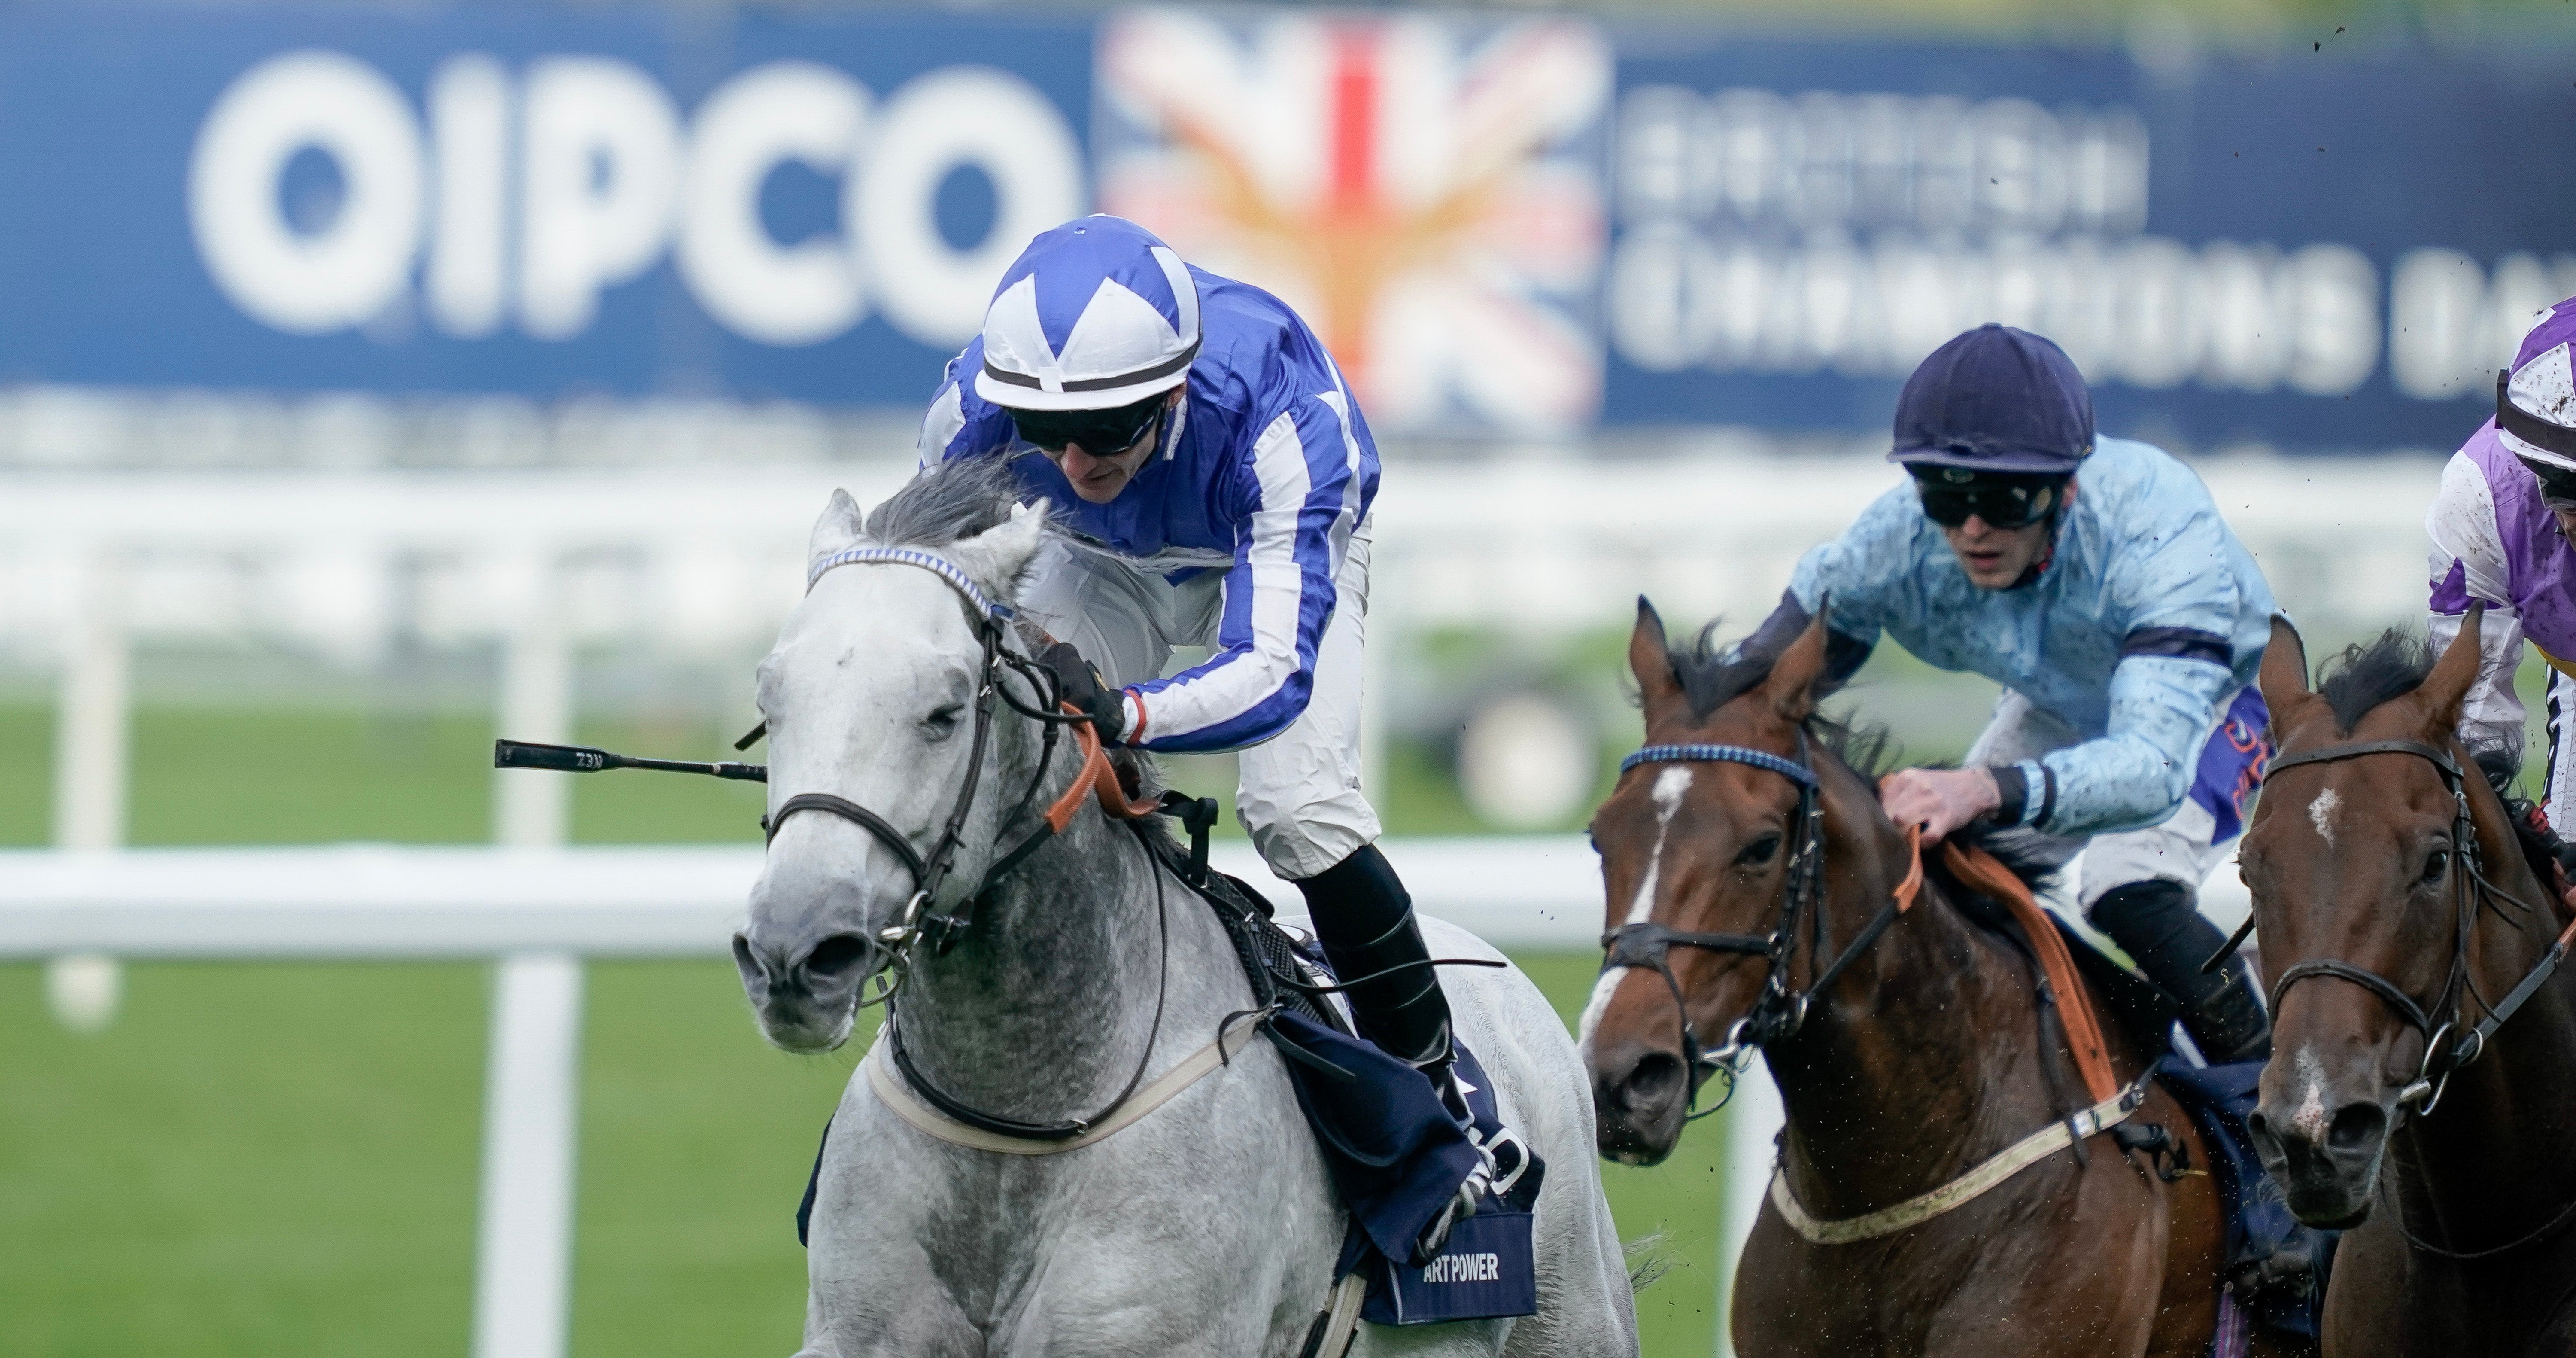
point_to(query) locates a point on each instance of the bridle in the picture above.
(1782, 1008)
(2443, 1054)
(922, 915)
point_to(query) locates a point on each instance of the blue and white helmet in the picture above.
(1095, 314)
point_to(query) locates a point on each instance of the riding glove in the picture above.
(1081, 685)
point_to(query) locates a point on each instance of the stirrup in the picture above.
(1461, 1205)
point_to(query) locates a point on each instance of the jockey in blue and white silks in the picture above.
(1215, 476)
(1262, 474)
(2098, 584)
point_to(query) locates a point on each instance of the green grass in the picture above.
(280, 1160)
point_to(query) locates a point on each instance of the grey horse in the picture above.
(1208, 1226)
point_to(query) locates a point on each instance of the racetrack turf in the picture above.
(279, 1160)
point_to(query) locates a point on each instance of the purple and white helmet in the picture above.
(2536, 402)
(1096, 314)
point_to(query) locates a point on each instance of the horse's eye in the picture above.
(1758, 852)
(943, 723)
(1593, 838)
(2435, 865)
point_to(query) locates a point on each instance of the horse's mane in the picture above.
(2366, 674)
(2394, 664)
(958, 499)
(954, 500)
(1712, 675)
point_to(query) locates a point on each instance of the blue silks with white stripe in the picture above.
(1263, 472)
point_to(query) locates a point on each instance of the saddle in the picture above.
(2276, 1267)
(1396, 1156)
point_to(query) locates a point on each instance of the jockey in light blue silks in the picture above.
(2098, 584)
(1215, 476)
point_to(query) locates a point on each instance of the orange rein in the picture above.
(1983, 871)
(1098, 778)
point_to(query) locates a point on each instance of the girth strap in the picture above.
(1968, 1187)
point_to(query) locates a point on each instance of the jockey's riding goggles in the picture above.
(1951, 495)
(1102, 433)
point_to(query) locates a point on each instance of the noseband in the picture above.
(2442, 1053)
(1782, 1008)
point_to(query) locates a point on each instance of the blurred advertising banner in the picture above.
(1515, 225)
(537, 201)
(2311, 249)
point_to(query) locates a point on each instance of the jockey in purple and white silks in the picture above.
(2098, 584)
(1214, 476)
(2501, 527)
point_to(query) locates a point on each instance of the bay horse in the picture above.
(1916, 1054)
(985, 1188)
(2422, 1087)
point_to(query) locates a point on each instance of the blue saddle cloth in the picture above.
(1398, 1157)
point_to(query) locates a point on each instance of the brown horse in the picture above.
(2405, 909)
(1925, 1056)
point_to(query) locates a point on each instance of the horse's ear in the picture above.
(1000, 555)
(1651, 659)
(2284, 677)
(1791, 687)
(2448, 684)
(838, 529)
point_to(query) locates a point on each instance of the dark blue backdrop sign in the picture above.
(2322, 249)
(2315, 250)
(538, 201)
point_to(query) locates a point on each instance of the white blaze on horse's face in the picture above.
(870, 696)
(1670, 786)
(2321, 814)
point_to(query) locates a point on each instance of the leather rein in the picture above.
(922, 917)
(1782, 1008)
(2444, 1053)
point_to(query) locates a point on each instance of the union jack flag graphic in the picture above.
(1427, 192)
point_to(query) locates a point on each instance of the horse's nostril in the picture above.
(2356, 1127)
(1656, 1078)
(837, 956)
(748, 959)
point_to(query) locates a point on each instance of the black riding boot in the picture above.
(2156, 923)
(1364, 919)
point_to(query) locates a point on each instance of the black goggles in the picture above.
(1102, 433)
(2557, 484)
(1952, 495)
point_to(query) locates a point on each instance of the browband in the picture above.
(2441, 759)
(1721, 754)
(940, 566)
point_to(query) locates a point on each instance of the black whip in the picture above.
(521, 754)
